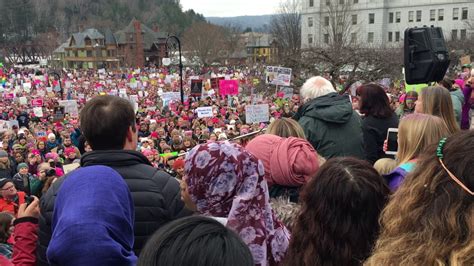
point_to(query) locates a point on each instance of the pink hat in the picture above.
(287, 161)
(147, 152)
(69, 150)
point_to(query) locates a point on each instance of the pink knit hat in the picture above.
(287, 161)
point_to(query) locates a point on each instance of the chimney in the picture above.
(140, 53)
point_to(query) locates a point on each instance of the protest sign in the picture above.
(465, 60)
(70, 167)
(9, 96)
(4, 125)
(27, 86)
(257, 113)
(196, 87)
(280, 76)
(13, 123)
(23, 100)
(287, 92)
(70, 107)
(229, 87)
(38, 111)
(58, 113)
(203, 112)
(171, 96)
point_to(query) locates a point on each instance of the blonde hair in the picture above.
(437, 101)
(316, 87)
(416, 132)
(285, 128)
(385, 166)
(430, 218)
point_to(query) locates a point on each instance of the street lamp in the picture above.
(56, 75)
(172, 45)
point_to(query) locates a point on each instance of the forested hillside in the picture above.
(28, 19)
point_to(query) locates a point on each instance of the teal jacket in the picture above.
(332, 126)
(458, 100)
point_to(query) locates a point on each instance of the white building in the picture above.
(383, 22)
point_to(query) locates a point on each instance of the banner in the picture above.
(280, 76)
(196, 87)
(257, 113)
(203, 112)
(37, 102)
(229, 87)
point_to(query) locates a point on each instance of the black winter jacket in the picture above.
(156, 196)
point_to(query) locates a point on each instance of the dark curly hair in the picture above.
(338, 223)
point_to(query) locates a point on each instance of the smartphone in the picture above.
(392, 141)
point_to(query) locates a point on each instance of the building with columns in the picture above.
(381, 23)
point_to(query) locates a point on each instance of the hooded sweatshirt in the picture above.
(93, 220)
(332, 126)
(457, 98)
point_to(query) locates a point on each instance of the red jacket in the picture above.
(10, 206)
(24, 249)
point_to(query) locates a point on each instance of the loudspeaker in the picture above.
(426, 55)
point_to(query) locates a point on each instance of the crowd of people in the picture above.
(111, 168)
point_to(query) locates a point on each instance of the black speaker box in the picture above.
(426, 55)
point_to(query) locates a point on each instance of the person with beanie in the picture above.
(178, 167)
(289, 163)
(26, 182)
(93, 224)
(52, 142)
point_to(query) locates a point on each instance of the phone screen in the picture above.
(392, 141)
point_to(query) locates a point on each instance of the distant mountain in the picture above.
(257, 23)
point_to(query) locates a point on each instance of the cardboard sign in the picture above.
(257, 113)
(465, 60)
(4, 125)
(280, 76)
(70, 167)
(203, 112)
(229, 87)
(196, 87)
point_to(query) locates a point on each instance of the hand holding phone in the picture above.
(392, 141)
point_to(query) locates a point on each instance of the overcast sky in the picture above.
(231, 8)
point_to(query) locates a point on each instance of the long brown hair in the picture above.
(338, 223)
(437, 101)
(430, 219)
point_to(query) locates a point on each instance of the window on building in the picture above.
(339, 38)
(390, 17)
(397, 36)
(464, 14)
(310, 38)
(356, 1)
(88, 41)
(398, 17)
(341, 2)
(328, 2)
(455, 13)
(418, 16)
(440, 14)
(354, 19)
(370, 37)
(311, 3)
(463, 34)
(89, 53)
(454, 35)
(411, 15)
(326, 38)
(130, 37)
(326, 21)
(432, 14)
(390, 36)
(371, 18)
(353, 37)
(310, 22)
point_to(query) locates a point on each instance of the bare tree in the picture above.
(232, 39)
(286, 28)
(204, 41)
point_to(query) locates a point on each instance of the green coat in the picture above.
(332, 126)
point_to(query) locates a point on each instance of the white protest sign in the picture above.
(257, 113)
(280, 76)
(23, 100)
(27, 86)
(203, 112)
(4, 125)
(123, 91)
(70, 106)
(38, 111)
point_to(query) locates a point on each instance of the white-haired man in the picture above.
(328, 120)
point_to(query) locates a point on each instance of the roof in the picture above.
(109, 37)
(80, 37)
(60, 49)
(260, 40)
(93, 34)
(150, 37)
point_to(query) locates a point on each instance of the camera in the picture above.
(50, 172)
